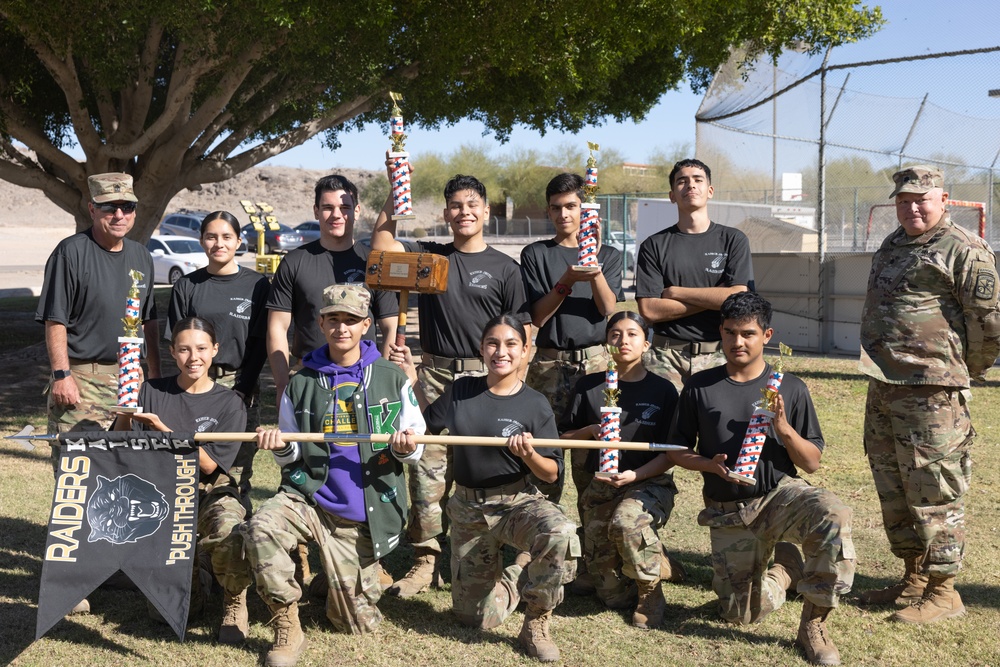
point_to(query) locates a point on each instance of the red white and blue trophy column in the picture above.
(130, 350)
(590, 218)
(402, 196)
(760, 423)
(611, 423)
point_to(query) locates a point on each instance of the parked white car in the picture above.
(175, 256)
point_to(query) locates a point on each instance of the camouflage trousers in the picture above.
(429, 481)
(919, 441)
(556, 379)
(98, 385)
(346, 553)
(620, 532)
(219, 517)
(743, 540)
(242, 468)
(483, 592)
(678, 365)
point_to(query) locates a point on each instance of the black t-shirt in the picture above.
(298, 287)
(467, 407)
(647, 406)
(235, 305)
(577, 323)
(219, 409)
(718, 257)
(713, 411)
(86, 288)
(481, 285)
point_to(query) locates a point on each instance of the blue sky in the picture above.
(914, 27)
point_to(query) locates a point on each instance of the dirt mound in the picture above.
(287, 189)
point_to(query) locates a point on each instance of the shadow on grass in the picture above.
(19, 581)
(416, 615)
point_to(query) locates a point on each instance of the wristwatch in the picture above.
(563, 290)
(60, 375)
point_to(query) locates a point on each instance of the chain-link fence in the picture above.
(823, 140)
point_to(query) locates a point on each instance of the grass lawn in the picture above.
(421, 631)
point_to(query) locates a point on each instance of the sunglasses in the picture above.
(110, 207)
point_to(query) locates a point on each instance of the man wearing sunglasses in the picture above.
(82, 304)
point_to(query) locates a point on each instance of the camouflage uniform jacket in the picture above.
(378, 406)
(930, 315)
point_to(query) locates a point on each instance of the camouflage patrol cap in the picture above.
(352, 298)
(111, 187)
(918, 179)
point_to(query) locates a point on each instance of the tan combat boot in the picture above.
(814, 637)
(649, 613)
(905, 592)
(289, 641)
(235, 624)
(384, 578)
(671, 569)
(420, 577)
(940, 601)
(788, 565)
(535, 638)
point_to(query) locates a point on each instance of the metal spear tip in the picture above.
(25, 436)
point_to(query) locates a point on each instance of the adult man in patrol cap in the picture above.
(930, 326)
(82, 303)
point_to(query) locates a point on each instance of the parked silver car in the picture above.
(282, 240)
(309, 230)
(174, 257)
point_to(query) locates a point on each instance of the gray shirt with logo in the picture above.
(717, 257)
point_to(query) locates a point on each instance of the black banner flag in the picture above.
(126, 501)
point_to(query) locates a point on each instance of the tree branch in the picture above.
(218, 125)
(178, 101)
(214, 170)
(64, 196)
(226, 88)
(27, 131)
(64, 72)
(137, 99)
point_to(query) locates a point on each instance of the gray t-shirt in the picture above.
(467, 407)
(481, 285)
(718, 257)
(217, 410)
(647, 407)
(235, 306)
(298, 287)
(86, 288)
(712, 416)
(577, 323)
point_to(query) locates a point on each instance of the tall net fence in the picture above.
(767, 133)
(803, 151)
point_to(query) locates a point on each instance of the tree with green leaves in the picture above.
(188, 92)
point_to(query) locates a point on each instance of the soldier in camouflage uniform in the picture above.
(684, 273)
(570, 309)
(494, 503)
(482, 283)
(623, 511)
(751, 522)
(930, 325)
(347, 496)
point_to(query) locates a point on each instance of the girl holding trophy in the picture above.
(631, 494)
